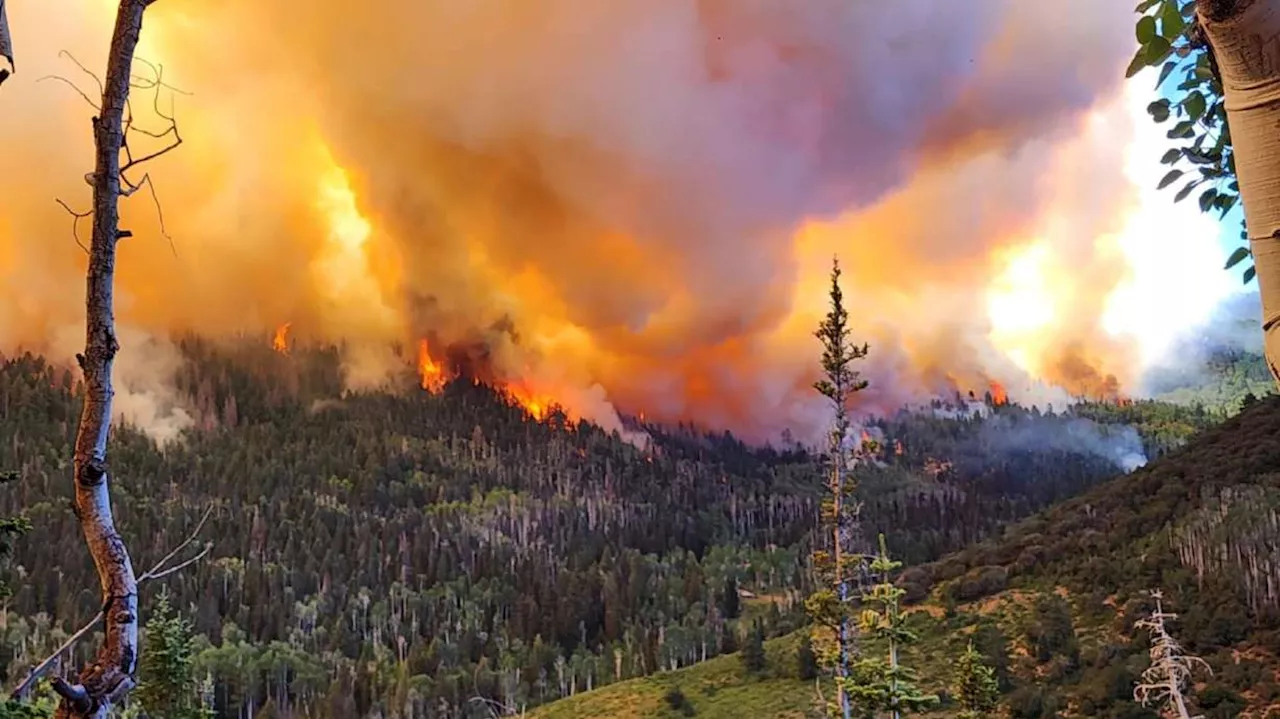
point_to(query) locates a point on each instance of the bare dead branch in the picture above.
(40, 669)
(75, 223)
(156, 572)
(73, 86)
(97, 80)
(159, 566)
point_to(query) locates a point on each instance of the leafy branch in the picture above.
(1170, 38)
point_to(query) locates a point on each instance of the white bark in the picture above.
(111, 675)
(1245, 37)
(1170, 673)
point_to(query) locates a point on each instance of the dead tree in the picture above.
(110, 676)
(1164, 682)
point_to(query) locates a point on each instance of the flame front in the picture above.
(998, 394)
(430, 372)
(280, 342)
(700, 199)
(538, 405)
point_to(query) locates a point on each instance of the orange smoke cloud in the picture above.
(624, 203)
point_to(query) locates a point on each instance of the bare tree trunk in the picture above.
(6, 44)
(1245, 37)
(110, 677)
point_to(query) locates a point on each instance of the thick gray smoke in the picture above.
(1120, 444)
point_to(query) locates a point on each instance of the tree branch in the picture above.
(156, 572)
(75, 222)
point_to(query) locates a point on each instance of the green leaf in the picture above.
(1138, 62)
(1171, 23)
(1207, 198)
(1146, 5)
(1237, 257)
(1169, 179)
(1183, 129)
(1159, 110)
(1182, 194)
(1249, 274)
(1226, 202)
(1170, 156)
(1145, 30)
(1164, 72)
(1157, 50)
(1199, 158)
(1194, 105)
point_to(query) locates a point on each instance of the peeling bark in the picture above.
(6, 45)
(111, 675)
(1245, 37)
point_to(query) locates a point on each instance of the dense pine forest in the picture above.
(438, 555)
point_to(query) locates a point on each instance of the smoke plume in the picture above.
(630, 204)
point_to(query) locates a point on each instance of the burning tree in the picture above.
(831, 604)
(110, 677)
(1170, 673)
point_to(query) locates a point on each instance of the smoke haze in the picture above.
(629, 204)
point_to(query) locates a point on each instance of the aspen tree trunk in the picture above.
(6, 44)
(111, 675)
(1245, 36)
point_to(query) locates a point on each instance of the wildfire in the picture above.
(430, 371)
(280, 343)
(537, 405)
(998, 394)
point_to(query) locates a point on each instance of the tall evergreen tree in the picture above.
(167, 685)
(884, 684)
(830, 605)
(976, 689)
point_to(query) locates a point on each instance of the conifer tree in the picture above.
(167, 686)
(730, 602)
(976, 689)
(830, 605)
(884, 684)
(753, 657)
(806, 660)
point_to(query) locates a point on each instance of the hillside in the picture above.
(378, 548)
(1052, 601)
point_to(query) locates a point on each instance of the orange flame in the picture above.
(432, 374)
(998, 394)
(280, 343)
(897, 447)
(537, 405)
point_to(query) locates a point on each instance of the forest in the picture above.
(401, 554)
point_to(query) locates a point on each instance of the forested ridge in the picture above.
(1052, 601)
(401, 554)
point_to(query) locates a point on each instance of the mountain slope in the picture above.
(389, 549)
(1054, 599)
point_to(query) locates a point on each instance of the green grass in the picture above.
(721, 688)
(718, 689)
